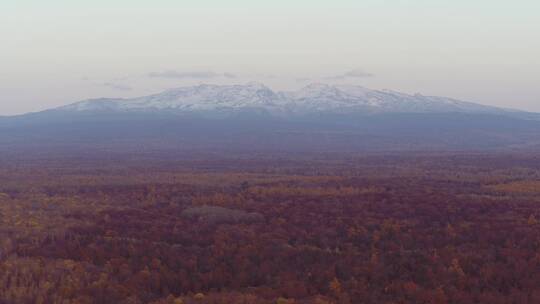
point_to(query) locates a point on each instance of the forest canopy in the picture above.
(396, 229)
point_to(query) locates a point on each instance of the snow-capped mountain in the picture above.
(312, 98)
(252, 117)
(198, 98)
(322, 97)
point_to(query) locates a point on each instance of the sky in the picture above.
(57, 52)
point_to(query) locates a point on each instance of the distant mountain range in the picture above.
(252, 117)
(315, 98)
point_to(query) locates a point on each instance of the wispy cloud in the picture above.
(229, 75)
(356, 73)
(117, 86)
(190, 74)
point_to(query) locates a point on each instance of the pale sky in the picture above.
(57, 52)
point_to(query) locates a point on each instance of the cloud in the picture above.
(117, 86)
(190, 74)
(229, 75)
(356, 73)
(303, 79)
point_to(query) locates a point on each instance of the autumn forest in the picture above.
(430, 228)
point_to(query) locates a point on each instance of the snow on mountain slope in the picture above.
(312, 98)
(350, 98)
(100, 104)
(209, 97)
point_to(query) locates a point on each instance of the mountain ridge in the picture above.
(313, 98)
(252, 117)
